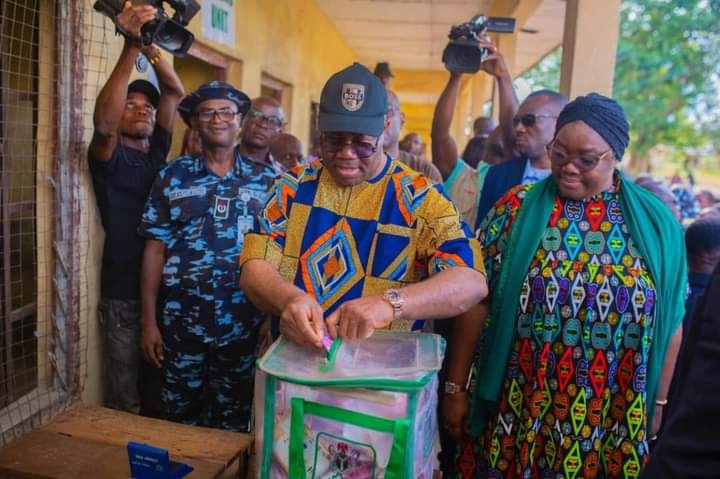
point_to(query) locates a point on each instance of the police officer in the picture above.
(195, 220)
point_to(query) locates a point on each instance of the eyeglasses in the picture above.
(584, 162)
(225, 114)
(362, 149)
(132, 105)
(529, 119)
(272, 122)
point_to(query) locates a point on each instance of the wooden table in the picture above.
(90, 441)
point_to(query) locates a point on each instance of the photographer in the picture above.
(464, 182)
(131, 139)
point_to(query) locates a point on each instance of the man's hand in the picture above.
(151, 345)
(494, 63)
(454, 412)
(302, 321)
(149, 51)
(357, 319)
(133, 17)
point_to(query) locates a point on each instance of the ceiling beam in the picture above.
(521, 10)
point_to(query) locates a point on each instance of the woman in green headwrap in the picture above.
(588, 278)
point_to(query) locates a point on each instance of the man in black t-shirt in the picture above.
(132, 136)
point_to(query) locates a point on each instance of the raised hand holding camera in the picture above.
(494, 62)
(135, 21)
(463, 53)
(132, 17)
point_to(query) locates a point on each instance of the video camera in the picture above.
(462, 54)
(169, 33)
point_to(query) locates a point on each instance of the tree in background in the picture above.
(667, 75)
(545, 75)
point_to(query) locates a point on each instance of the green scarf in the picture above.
(660, 240)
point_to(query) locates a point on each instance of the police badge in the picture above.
(352, 96)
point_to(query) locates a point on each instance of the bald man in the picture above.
(483, 127)
(391, 141)
(260, 129)
(287, 150)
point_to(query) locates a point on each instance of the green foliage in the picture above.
(545, 75)
(667, 73)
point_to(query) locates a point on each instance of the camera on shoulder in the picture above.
(462, 53)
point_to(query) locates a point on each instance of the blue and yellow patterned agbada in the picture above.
(341, 243)
(202, 220)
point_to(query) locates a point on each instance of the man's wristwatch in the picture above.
(453, 388)
(396, 300)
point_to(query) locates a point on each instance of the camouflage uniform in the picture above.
(209, 328)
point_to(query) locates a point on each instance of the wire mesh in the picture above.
(53, 59)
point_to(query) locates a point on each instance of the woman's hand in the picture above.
(454, 411)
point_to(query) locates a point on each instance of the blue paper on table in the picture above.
(149, 462)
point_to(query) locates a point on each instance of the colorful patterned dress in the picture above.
(573, 399)
(341, 243)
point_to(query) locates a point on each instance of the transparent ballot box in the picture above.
(367, 409)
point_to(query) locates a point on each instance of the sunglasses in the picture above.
(584, 162)
(529, 119)
(273, 122)
(225, 114)
(362, 149)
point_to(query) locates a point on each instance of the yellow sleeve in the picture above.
(445, 240)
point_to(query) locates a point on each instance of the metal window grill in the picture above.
(53, 60)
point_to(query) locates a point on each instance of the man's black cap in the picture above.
(383, 69)
(147, 89)
(353, 100)
(215, 90)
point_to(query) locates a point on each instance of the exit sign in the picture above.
(219, 21)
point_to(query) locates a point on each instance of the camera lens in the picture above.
(463, 58)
